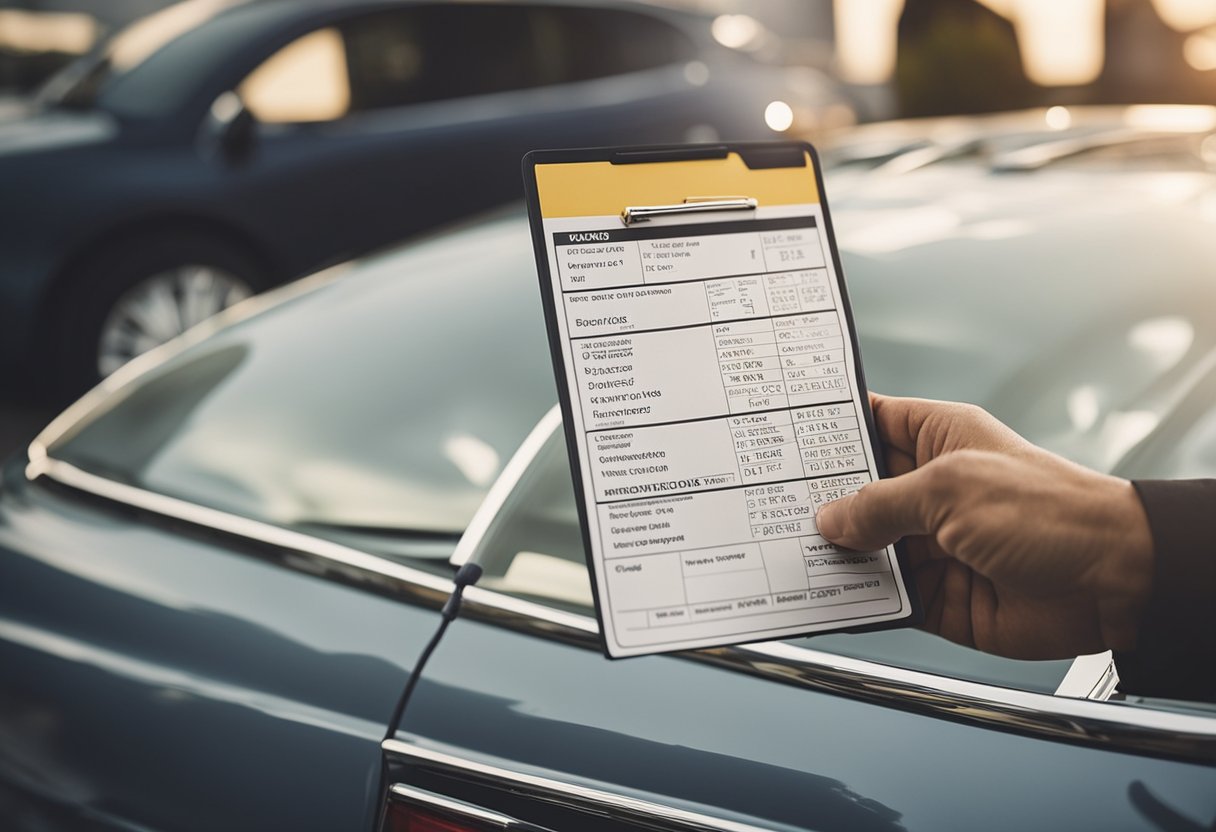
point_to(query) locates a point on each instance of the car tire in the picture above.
(132, 296)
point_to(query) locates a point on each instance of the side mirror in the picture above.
(230, 129)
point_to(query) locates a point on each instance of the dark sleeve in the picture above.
(1175, 654)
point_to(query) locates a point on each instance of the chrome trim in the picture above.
(547, 788)
(692, 205)
(399, 792)
(501, 490)
(1103, 724)
(1081, 721)
(328, 559)
(325, 557)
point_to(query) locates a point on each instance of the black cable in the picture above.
(466, 575)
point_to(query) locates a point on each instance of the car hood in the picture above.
(1072, 296)
(26, 128)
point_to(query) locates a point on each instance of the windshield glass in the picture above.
(125, 56)
(383, 403)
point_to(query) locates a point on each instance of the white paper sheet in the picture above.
(714, 396)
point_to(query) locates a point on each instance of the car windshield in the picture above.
(382, 404)
(381, 407)
(125, 58)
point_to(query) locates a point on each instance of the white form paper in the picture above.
(714, 399)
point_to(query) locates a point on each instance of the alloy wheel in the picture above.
(162, 307)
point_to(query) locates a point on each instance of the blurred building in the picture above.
(899, 57)
(966, 56)
(932, 57)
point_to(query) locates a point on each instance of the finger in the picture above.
(956, 612)
(918, 551)
(881, 512)
(926, 429)
(898, 462)
(894, 418)
(984, 603)
(929, 580)
(927, 576)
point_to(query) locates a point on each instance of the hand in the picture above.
(1015, 551)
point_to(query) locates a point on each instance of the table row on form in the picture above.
(646, 308)
(726, 452)
(768, 578)
(592, 265)
(646, 524)
(711, 370)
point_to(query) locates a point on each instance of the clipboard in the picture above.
(712, 393)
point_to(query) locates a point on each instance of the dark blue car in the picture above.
(218, 148)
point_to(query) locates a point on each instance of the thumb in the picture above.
(879, 514)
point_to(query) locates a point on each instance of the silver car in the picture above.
(215, 569)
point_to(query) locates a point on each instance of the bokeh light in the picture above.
(1061, 42)
(866, 39)
(1186, 15)
(737, 31)
(1200, 50)
(1058, 118)
(779, 116)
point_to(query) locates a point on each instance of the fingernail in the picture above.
(825, 520)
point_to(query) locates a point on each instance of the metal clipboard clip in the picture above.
(692, 205)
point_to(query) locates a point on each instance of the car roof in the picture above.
(305, 8)
(224, 39)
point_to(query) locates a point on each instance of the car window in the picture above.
(434, 53)
(428, 53)
(396, 58)
(382, 405)
(306, 80)
(579, 44)
(533, 549)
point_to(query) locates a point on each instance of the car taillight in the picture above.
(413, 819)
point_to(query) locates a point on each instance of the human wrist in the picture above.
(1124, 578)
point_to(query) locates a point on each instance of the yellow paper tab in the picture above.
(582, 189)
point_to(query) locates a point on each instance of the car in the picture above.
(215, 149)
(217, 568)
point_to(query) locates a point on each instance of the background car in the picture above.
(215, 149)
(216, 568)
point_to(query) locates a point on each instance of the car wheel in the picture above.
(132, 298)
